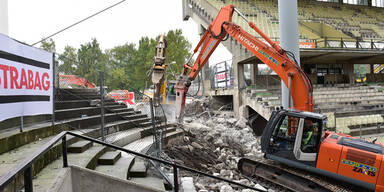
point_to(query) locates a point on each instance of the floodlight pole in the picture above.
(289, 39)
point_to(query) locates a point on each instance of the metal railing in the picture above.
(26, 165)
(337, 42)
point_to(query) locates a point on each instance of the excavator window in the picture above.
(284, 133)
(310, 137)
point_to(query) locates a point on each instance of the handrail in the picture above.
(27, 162)
(26, 165)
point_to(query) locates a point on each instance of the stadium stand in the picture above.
(352, 109)
(317, 20)
(124, 127)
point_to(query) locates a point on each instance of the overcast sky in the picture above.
(30, 20)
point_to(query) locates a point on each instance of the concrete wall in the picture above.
(79, 179)
(63, 182)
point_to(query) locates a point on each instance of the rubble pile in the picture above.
(197, 106)
(214, 145)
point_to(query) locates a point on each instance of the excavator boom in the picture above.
(271, 54)
(159, 69)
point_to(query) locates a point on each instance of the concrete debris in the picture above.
(187, 184)
(199, 186)
(247, 190)
(241, 123)
(190, 148)
(258, 186)
(196, 145)
(226, 188)
(197, 106)
(94, 102)
(215, 145)
(186, 139)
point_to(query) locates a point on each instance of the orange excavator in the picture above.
(296, 137)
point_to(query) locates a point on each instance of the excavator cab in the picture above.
(293, 137)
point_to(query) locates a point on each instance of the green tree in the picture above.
(91, 60)
(121, 63)
(178, 51)
(68, 61)
(125, 66)
(48, 45)
(143, 62)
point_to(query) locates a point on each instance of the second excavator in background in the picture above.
(162, 90)
(296, 137)
(159, 70)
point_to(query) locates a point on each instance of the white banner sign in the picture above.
(26, 80)
(222, 75)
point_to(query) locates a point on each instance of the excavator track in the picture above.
(288, 178)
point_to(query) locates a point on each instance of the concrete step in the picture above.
(17, 155)
(14, 157)
(346, 98)
(87, 111)
(119, 169)
(46, 178)
(66, 97)
(79, 90)
(71, 104)
(138, 169)
(124, 124)
(88, 121)
(64, 114)
(343, 108)
(123, 138)
(342, 94)
(317, 92)
(359, 102)
(141, 145)
(109, 158)
(118, 110)
(364, 125)
(136, 116)
(117, 106)
(367, 131)
(150, 181)
(79, 147)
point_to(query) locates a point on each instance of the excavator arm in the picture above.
(159, 70)
(271, 54)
